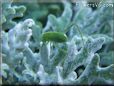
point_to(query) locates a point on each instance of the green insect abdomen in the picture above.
(54, 36)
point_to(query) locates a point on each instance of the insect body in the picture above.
(54, 37)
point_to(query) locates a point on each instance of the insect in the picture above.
(54, 37)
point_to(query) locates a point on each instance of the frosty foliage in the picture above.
(85, 58)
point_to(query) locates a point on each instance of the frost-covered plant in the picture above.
(71, 49)
(10, 12)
